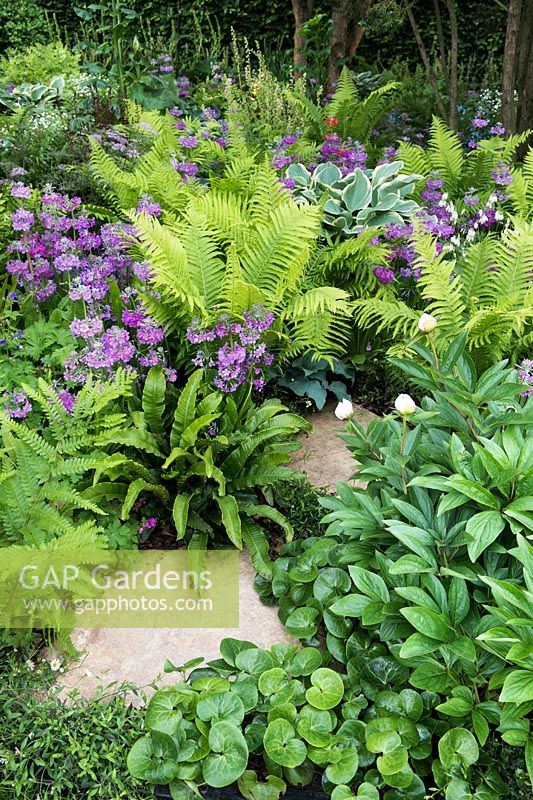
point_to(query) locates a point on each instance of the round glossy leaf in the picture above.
(230, 648)
(221, 706)
(330, 583)
(253, 789)
(272, 681)
(246, 688)
(305, 662)
(153, 759)
(344, 770)
(343, 793)
(283, 654)
(254, 661)
(229, 755)
(414, 791)
(458, 748)
(392, 761)
(211, 684)
(367, 791)
(401, 779)
(302, 622)
(179, 790)
(282, 744)
(301, 775)
(327, 690)
(163, 712)
(254, 733)
(283, 711)
(315, 726)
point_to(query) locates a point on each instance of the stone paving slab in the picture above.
(137, 655)
(323, 456)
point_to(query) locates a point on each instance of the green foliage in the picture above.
(445, 155)
(399, 585)
(22, 23)
(39, 64)
(307, 377)
(243, 242)
(75, 748)
(356, 118)
(286, 707)
(44, 475)
(214, 453)
(486, 293)
(363, 198)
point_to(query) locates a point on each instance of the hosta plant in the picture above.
(362, 198)
(206, 457)
(403, 569)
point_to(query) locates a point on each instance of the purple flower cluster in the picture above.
(479, 127)
(184, 86)
(347, 155)
(525, 373)
(118, 144)
(234, 351)
(16, 404)
(147, 205)
(60, 252)
(161, 65)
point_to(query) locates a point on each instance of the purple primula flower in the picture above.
(16, 404)
(20, 191)
(497, 130)
(501, 174)
(22, 220)
(479, 122)
(147, 205)
(384, 275)
(188, 142)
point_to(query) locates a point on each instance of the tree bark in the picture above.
(509, 63)
(430, 72)
(346, 34)
(524, 69)
(454, 57)
(340, 18)
(303, 11)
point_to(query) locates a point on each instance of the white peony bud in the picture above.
(427, 323)
(344, 409)
(405, 405)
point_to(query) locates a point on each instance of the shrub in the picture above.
(39, 64)
(398, 586)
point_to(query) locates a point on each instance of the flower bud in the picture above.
(344, 409)
(405, 405)
(427, 323)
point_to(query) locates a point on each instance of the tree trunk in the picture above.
(509, 63)
(303, 11)
(430, 72)
(340, 18)
(454, 57)
(346, 34)
(524, 69)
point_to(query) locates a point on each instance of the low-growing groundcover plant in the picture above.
(421, 581)
(73, 750)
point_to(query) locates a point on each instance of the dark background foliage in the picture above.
(188, 22)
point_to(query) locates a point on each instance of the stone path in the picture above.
(137, 655)
(323, 456)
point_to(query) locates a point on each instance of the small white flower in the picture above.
(470, 235)
(498, 216)
(344, 409)
(55, 664)
(427, 323)
(30, 664)
(405, 405)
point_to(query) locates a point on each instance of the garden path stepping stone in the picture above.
(323, 456)
(137, 655)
